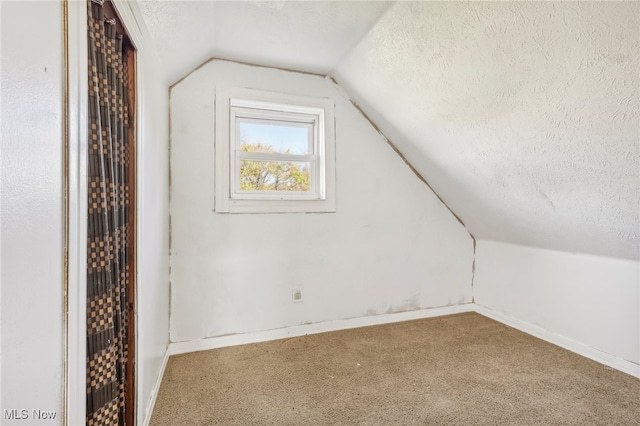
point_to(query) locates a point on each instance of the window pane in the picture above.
(274, 175)
(273, 136)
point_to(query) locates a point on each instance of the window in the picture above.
(274, 153)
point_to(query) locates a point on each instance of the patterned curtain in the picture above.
(108, 257)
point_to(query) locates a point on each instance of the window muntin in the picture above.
(309, 121)
(276, 151)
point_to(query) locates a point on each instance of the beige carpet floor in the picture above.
(461, 369)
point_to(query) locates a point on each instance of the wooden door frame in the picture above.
(75, 151)
(132, 335)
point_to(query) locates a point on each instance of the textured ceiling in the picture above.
(524, 117)
(307, 36)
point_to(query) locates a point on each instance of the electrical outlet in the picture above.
(296, 294)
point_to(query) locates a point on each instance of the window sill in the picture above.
(284, 206)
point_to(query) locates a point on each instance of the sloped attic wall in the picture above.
(391, 246)
(523, 116)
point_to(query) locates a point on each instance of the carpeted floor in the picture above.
(461, 369)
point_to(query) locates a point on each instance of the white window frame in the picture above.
(241, 105)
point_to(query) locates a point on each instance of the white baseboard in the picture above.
(156, 389)
(176, 348)
(564, 342)
(321, 327)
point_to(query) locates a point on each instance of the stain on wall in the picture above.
(390, 245)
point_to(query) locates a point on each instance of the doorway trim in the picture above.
(76, 119)
(75, 140)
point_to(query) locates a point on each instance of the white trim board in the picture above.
(604, 358)
(75, 321)
(176, 348)
(301, 330)
(597, 355)
(155, 390)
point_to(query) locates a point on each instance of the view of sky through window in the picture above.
(281, 138)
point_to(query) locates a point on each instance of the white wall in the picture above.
(590, 300)
(391, 246)
(32, 259)
(153, 222)
(153, 213)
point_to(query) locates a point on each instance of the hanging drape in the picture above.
(108, 256)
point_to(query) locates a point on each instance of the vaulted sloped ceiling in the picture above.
(524, 117)
(309, 36)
